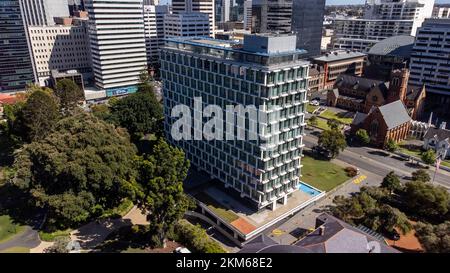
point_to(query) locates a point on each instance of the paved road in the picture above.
(379, 162)
(29, 238)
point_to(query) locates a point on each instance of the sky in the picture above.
(339, 2)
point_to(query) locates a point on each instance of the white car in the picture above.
(314, 103)
(182, 250)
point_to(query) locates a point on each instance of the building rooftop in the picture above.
(336, 236)
(394, 114)
(339, 56)
(346, 81)
(394, 46)
(439, 134)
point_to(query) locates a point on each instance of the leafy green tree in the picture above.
(421, 175)
(59, 246)
(434, 238)
(69, 95)
(334, 124)
(391, 146)
(139, 113)
(313, 120)
(78, 170)
(363, 136)
(429, 157)
(429, 201)
(196, 238)
(39, 115)
(159, 189)
(101, 111)
(391, 182)
(333, 141)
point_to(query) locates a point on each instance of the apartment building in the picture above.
(382, 19)
(154, 32)
(441, 11)
(264, 70)
(60, 47)
(271, 16)
(248, 15)
(186, 24)
(430, 62)
(117, 39)
(203, 6)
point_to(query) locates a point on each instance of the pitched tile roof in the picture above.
(394, 114)
(440, 134)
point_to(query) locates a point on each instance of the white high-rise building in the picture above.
(154, 31)
(186, 24)
(430, 62)
(59, 48)
(248, 15)
(42, 12)
(382, 19)
(441, 11)
(203, 6)
(116, 29)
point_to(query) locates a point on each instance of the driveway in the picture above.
(28, 239)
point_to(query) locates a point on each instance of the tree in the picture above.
(334, 124)
(391, 146)
(78, 170)
(429, 157)
(196, 238)
(391, 182)
(333, 141)
(159, 189)
(363, 136)
(39, 115)
(386, 219)
(421, 175)
(434, 238)
(59, 246)
(313, 120)
(139, 113)
(101, 111)
(69, 95)
(427, 200)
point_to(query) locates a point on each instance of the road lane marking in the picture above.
(360, 179)
(277, 232)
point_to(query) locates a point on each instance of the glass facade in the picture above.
(16, 69)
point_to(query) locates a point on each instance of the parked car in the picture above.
(181, 250)
(314, 103)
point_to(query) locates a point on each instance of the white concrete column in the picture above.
(285, 200)
(274, 205)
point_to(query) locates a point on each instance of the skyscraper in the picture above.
(430, 63)
(271, 16)
(203, 6)
(42, 12)
(116, 30)
(307, 23)
(16, 68)
(382, 19)
(154, 31)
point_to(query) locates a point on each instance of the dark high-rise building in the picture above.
(303, 17)
(271, 16)
(16, 68)
(307, 23)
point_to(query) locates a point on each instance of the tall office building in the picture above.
(441, 11)
(266, 71)
(430, 62)
(248, 15)
(186, 24)
(43, 12)
(60, 47)
(16, 68)
(271, 16)
(307, 23)
(203, 6)
(222, 10)
(116, 30)
(154, 31)
(382, 19)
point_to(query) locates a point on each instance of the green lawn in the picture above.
(8, 228)
(310, 108)
(332, 115)
(51, 236)
(16, 250)
(404, 148)
(119, 211)
(221, 211)
(322, 174)
(446, 163)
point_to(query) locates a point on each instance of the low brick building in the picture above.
(390, 121)
(359, 94)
